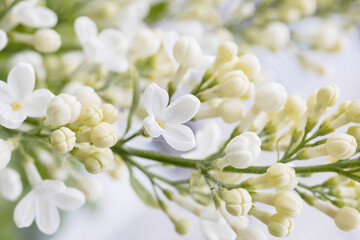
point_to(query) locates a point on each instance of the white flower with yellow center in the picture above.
(18, 100)
(167, 120)
(107, 48)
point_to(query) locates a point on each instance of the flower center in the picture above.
(160, 124)
(17, 106)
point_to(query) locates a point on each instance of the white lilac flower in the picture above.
(32, 57)
(18, 100)
(42, 204)
(167, 120)
(29, 14)
(3, 39)
(207, 139)
(5, 153)
(10, 184)
(107, 48)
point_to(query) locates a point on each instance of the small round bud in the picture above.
(295, 106)
(341, 146)
(355, 132)
(271, 97)
(347, 219)
(327, 96)
(243, 150)
(353, 111)
(276, 35)
(91, 115)
(251, 234)
(146, 43)
(182, 226)
(227, 51)
(62, 109)
(99, 160)
(103, 135)
(280, 226)
(91, 187)
(187, 51)
(63, 140)
(87, 96)
(287, 204)
(238, 202)
(281, 176)
(231, 110)
(233, 84)
(249, 64)
(47, 40)
(110, 113)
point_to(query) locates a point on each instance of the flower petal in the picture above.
(182, 109)
(36, 103)
(45, 18)
(115, 63)
(168, 42)
(11, 119)
(3, 39)
(5, 153)
(47, 216)
(85, 29)
(70, 199)
(180, 137)
(21, 80)
(5, 93)
(10, 184)
(49, 187)
(24, 213)
(155, 100)
(152, 127)
(114, 40)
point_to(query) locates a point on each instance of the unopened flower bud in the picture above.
(249, 64)
(347, 219)
(233, 84)
(99, 161)
(276, 35)
(341, 146)
(287, 204)
(117, 171)
(327, 96)
(353, 111)
(271, 97)
(280, 226)
(231, 110)
(187, 51)
(87, 96)
(251, 234)
(295, 106)
(103, 135)
(227, 51)
(63, 140)
(355, 132)
(47, 40)
(238, 201)
(281, 176)
(62, 109)
(110, 113)
(91, 115)
(146, 43)
(182, 226)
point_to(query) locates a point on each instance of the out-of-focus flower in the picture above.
(32, 57)
(10, 184)
(168, 120)
(17, 98)
(5, 153)
(3, 39)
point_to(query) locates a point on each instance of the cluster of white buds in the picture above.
(238, 202)
(84, 119)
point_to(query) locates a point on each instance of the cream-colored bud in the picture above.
(295, 106)
(47, 40)
(187, 51)
(62, 109)
(87, 96)
(182, 226)
(347, 219)
(249, 64)
(327, 96)
(287, 204)
(63, 140)
(103, 135)
(110, 113)
(227, 51)
(99, 161)
(271, 97)
(91, 115)
(341, 146)
(281, 176)
(355, 132)
(353, 111)
(238, 201)
(118, 171)
(276, 35)
(280, 226)
(146, 43)
(251, 234)
(231, 110)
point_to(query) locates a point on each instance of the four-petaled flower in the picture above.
(107, 48)
(167, 121)
(17, 98)
(42, 203)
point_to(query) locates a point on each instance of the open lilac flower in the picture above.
(18, 100)
(42, 203)
(167, 121)
(29, 14)
(107, 48)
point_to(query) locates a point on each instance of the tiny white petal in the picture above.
(47, 216)
(11, 119)
(180, 137)
(85, 29)
(152, 127)
(155, 100)
(49, 187)
(36, 103)
(114, 40)
(182, 109)
(116, 63)
(3, 39)
(21, 80)
(5, 153)
(24, 213)
(10, 184)
(70, 199)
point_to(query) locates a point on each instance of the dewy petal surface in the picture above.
(24, 213)
(182, 109)
(180, 137)
(47, 215)
(70, 199)
(10, 184)
(155, 100)
(85, 29)
(36, 103)
(21, 80)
